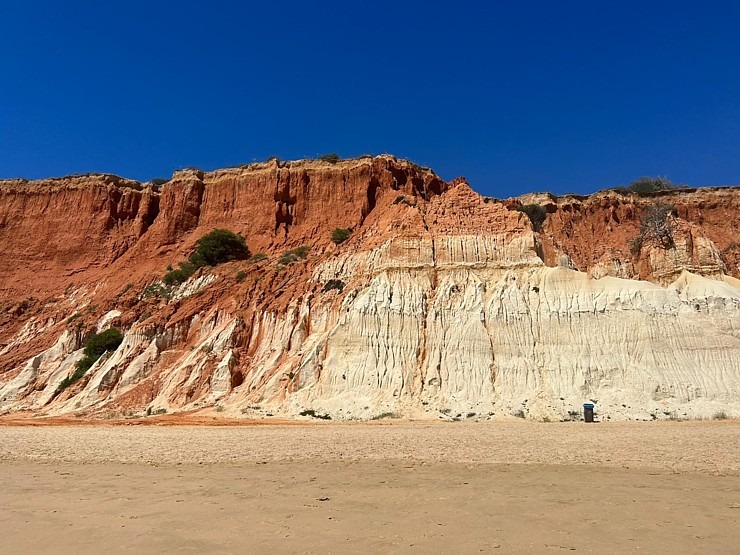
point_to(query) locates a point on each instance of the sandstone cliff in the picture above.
(441, 304)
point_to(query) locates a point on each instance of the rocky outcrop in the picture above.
(596, 232)
(441, 304)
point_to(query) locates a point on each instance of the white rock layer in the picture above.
(445, 326)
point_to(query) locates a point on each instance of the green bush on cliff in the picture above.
(214, 248)
(332, 158)
(340, 235)
(157, 290)
(181, 275)
(217, 247)
(96, 346)
(651, 185)
(646, 185)
(288, 257)
(109, 340)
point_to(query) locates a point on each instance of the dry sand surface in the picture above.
(400, 487)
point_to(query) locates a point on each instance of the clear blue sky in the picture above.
(517, 96)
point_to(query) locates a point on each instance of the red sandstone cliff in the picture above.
(83, 252)
(595, 232)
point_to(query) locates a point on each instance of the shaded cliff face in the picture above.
(441, 304)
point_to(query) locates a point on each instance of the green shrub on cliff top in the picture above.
(646, 185)
(651, 185)
(332, 158)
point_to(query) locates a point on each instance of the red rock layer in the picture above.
(53, 230)
(590, 229)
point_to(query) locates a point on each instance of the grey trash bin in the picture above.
(588, 412)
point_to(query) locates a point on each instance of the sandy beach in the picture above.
(390, 487)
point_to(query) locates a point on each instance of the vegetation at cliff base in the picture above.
(313, 414)
(95, 347)
(214, 248)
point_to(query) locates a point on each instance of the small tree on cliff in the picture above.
(217, 247)
(655, 223)
(95, 347)
(332, 158)
(214, 248)
(651, 185)
(340, 235)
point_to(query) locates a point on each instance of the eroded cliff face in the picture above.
(595, 232)
(441, 304)
(53, 229)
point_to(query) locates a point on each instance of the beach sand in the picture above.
(387, 487)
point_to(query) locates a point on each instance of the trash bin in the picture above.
(588, 412)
